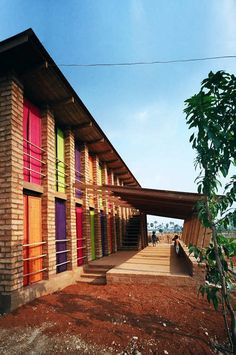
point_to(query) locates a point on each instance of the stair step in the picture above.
(98, 266)
(92, 275)
(93, 281)
(128, 248)
(95, 270)
(129, 242)
(131, 237)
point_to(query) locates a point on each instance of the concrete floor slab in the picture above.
(115, 259)
(158, 264)
(159, 260)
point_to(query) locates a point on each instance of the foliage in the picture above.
(165, 228)
(212, 287)
(211, 114)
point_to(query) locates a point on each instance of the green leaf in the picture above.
(191, 138)
(215, 302)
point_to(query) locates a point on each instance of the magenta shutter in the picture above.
(25, 141)
(35, 147)
(32, 143)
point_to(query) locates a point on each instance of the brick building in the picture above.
(66, 196)
(56, 209)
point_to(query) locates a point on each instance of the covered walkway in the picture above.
(159, 260)
(151, 265)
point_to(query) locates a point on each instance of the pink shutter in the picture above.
(35, 147)
(26, 138)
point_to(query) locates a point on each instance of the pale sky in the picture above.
(139, 108)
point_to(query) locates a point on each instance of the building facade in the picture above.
(57, 212)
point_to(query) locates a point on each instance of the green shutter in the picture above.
(60, 154)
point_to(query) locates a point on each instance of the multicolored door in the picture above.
(91, 200)
(25, 243)
(103, 232)
(79, 233)
(32, 250)
(26, 145)
(60, 163)
(78, 192)
(110, 231)
(32, 143)
(100, 183)
(109, 181)
(90, 169)
(61, 242)
(92, 234)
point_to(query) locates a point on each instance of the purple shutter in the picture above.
(61, 257)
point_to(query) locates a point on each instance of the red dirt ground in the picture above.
(111, 319)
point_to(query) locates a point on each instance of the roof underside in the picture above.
(172, 204)
(45, 85)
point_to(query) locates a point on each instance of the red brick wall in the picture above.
(11, 186)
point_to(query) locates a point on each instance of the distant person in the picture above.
(154, 238)
(176, 244)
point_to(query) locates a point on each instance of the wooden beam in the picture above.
(112, 161)
(117, 168)
(83, 125)
(128, 179)
(96, 141)
(122, 173)
(105, 151)
(63, 102)
(14, 42)
(34, 69)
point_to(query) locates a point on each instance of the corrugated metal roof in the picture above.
(46, 86)
(173, 204)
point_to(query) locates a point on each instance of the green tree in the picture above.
(212, 115)
(155, 224)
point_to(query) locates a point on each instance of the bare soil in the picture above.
(113, 319)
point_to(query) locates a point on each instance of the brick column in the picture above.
(97, 221)
(105, 206)
(11, 189)
(119, 228)
(86, 212)
(70, 203)
(48, 198)
(112, 211)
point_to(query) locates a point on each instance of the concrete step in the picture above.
(93, 281)
(131, 238)
(97, 266)
(126, 247)
(94, 269)
(130, 242)
(92, 275)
